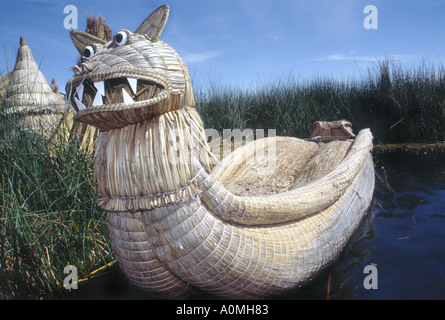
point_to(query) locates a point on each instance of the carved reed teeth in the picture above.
(133, 84)
(79, 91)
(79, 104)
(100, 93)
(100, 86)
(98, 100)
(127, 98)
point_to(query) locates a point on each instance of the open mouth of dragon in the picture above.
(117, 89)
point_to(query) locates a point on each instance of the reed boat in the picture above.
(266, 218)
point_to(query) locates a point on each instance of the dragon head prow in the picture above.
(129, 79)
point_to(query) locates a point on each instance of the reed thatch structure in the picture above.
(265, 219)
(29, 95)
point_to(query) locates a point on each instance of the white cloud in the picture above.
(365, 58)
(191, 58)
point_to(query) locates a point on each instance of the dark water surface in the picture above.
(403, 236)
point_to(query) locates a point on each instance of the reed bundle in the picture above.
(148, 164)
(265, 219)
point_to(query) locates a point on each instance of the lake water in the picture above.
(403, 236)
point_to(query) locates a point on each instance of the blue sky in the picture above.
(242, 43)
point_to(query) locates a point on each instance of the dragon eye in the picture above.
(121, 38)
(88, 52)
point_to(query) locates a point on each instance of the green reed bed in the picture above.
(398, 103)
(48, 216)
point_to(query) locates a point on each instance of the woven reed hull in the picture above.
(134, 253)
(253, 262)
(175, 246)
